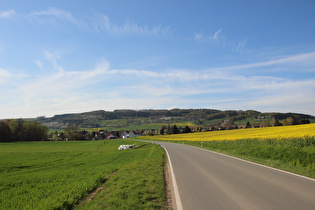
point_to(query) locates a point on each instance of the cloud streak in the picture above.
(7, 14)
(4, 75)
(103, 23)
(54, 12)
(100, 23)
(300, 60)
(200, 37)
(216, 34)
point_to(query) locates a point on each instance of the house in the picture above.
(131, 134)
(111, 135)
(126, 134)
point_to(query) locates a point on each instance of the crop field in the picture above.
(59, 175)
(281, 132)
(291, 148)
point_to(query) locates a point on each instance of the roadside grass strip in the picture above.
(61, 175)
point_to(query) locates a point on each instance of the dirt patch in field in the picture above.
(92, 194)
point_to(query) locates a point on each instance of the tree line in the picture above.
(21, 130)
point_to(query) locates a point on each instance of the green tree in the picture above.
(186, 129)
(150, 133)
(162, 129)
(72, 132)
(5, 132)
(275, 122)
(174, 129)
(27, 130)
(34, 131)
(168, 129)
(303, 121)
(17, 128)
(266, 123)
(289, 121)
(248, 125)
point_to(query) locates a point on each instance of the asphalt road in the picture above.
(208, 180)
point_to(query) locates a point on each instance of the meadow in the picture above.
(291, 148)
(60, 175)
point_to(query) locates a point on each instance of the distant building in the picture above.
(126, 135)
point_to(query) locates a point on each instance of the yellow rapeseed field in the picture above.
(281, 132)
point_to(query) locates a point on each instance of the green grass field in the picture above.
(59, 175)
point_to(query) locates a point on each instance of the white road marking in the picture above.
(176, 192)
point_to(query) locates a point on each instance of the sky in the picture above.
(75, 56)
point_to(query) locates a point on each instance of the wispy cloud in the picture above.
(221, 40)
(103, 23)
(200, 37)
(240, 46)
(7, 14)
(99, 22)
(299, 59)
(4, 75)
(54, 12)
(39, 64)
(56, 15)
(216, 34)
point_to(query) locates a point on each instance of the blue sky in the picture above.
(75, 56)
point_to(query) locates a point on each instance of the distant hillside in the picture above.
(133, 118)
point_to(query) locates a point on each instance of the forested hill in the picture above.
(197, 116)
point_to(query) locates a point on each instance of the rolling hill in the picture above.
(123, 119)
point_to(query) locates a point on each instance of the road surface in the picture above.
(208, 180)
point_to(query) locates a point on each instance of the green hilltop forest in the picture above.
(151, 118)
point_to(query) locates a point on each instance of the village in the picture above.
(72, 132)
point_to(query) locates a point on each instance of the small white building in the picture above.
(126, 134)
(131, 134)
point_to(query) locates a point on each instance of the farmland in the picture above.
(59, 175)
(281, 132)
(290, 148)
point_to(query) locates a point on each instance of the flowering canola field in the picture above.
(280, 132)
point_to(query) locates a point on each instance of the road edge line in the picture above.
(175, 188)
